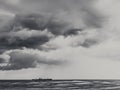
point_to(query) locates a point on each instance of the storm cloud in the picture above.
(44, 27)
(33, 30)
(28, 58)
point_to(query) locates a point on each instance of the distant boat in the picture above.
(40, 79)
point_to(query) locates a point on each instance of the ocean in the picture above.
(60, 85)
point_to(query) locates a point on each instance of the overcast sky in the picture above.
(62, 39)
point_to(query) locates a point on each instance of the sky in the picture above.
(59, 39)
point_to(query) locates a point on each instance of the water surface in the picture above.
(60, 85)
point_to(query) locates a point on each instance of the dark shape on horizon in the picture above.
(40, 79)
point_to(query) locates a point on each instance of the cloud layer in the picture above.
(46, 27)
(27, 58)
(78, 37)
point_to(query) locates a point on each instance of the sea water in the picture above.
(61, 85)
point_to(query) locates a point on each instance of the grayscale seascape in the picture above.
(61, 85)
(59, 45)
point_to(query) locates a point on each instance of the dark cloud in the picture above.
(89, 42)
(31, 21)
(30, 42)
(16, 42)
(72, 32)
(22, 60)
(2, 60)
(14, 36)
(83, 9)
(36, 23)
(41, 22)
